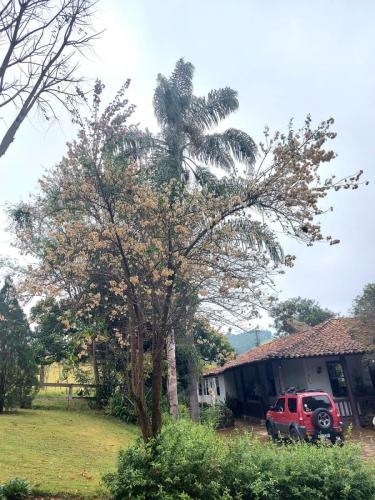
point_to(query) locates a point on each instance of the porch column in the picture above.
(352, 400)
(259, 382)
(280, 376)
(242, 379)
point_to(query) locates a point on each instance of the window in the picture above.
(200, 388)
(280, 405)
(311, 403)
(292, 405)
(217, 386)
(337, 379)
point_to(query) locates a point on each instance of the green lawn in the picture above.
(61, 451)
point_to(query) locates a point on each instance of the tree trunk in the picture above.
(172, 374)
(137, 376)
(95, 364)
(157, 378)
(193, 372)
(96, 374)
(193, 379)
(1, 405)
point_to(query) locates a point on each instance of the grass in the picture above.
(60, 451)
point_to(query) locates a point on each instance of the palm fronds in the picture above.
(254, 234)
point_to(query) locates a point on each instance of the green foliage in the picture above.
(18, 368)
(190, 461)
(213, 346)
(364, 309)
(120, 406)
(181, 460)
(296, 314)
(218, 416)
(15, 489)
(364, 304)
(50, 339)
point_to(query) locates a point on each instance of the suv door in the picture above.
(292, 414)
(279, 420)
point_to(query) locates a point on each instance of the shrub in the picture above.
(15, 489)
(121, 407)
(218, 416)
(191, 461)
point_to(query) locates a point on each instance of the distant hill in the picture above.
(245, 341)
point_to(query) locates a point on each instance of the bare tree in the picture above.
(39, 42)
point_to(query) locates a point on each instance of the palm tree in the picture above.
(185, 149)
(185, 145)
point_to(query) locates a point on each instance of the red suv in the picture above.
(304, 416)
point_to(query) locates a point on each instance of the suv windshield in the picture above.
(311, 403)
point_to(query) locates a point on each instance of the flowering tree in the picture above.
(100, 213)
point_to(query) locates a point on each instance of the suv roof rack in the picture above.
(293, 390)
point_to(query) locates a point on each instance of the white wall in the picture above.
(293, 373)
(316, 380)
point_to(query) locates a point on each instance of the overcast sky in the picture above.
(286, 59)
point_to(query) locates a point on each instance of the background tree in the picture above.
(364, 309)
(17, 364)
(297, 314)
(40, 41)
(210, 347)
(51, 342)
(213, 347)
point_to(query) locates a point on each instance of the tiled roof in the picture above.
(331, 338)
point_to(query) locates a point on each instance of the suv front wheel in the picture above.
(294, 435)
(271, 431)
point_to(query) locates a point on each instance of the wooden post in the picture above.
(280, 376)
(259, 382)
(243, 387)
(352, 400)
(41, 375)
(70, 396)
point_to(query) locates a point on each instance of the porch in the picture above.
(251, 388)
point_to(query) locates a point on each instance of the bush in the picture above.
(121, 407)
(15, 489)
(218, 416)
(191, 461)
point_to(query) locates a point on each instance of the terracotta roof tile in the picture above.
(330, 338)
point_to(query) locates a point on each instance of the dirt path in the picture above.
(364, 436)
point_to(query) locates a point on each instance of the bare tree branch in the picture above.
(39, 41)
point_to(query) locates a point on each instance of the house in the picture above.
(324, 357)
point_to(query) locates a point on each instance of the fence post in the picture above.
(70, 396)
